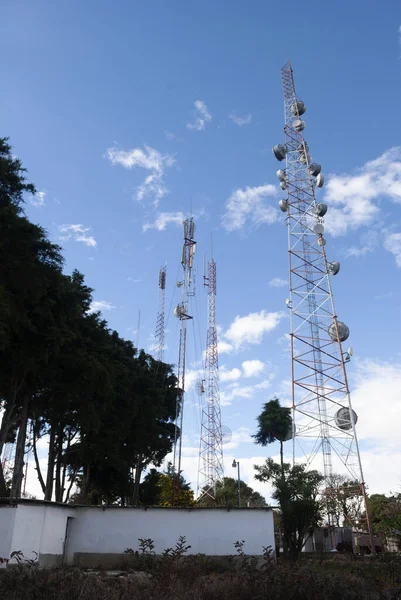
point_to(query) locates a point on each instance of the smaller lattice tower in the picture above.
(211, 443)
(159, 333)
(181, 311)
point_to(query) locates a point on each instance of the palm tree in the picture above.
(274, 423)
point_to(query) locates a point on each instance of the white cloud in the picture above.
(252, 368)
(192, 376)
(277, 282)
(150, 159)
(231, 375)
(353, 198)
(251, 328)
(240, 121)
(100, 305)
(38, 199)
(223, 346)
(78, 233)
(392, 243)
(201, 116)
(163, 219)
(247, 205)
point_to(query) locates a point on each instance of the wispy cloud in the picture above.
(77, 233)
(240, 121)
(134, 280)
(100, 306)
(392, 243)
(147, 158)
(202, 116)
(236, 390)
(353, 198)
(277, 282)
(368, 243)
(163, 219)
(246, 205)
(172, 136)
(38, 199)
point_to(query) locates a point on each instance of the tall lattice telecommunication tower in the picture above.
(159, 333)
(323, 419)
(182, 313)
(211, 469)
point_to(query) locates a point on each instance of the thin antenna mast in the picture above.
(159, 334)
(323, 419)
(211, 470)
(182, 313)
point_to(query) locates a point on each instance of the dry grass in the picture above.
(199, 578)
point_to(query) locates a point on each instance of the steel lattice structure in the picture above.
(211, 469)
(323, 419)
(182, 313)
(159, 333)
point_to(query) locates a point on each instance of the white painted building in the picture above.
(98, 535)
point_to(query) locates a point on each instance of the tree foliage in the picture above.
(165, 489)
(274, 423)
(106, 409)
(227, 495)
(385, 514)
(296, 491)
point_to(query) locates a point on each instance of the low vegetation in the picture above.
(176, 576)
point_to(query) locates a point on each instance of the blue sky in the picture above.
(132, 114)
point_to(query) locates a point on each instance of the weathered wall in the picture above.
(36, 528)
(99, 535)
(109, 531)
(7, 518)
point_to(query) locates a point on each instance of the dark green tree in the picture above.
(30, 270)
(296, 491)
(227, 495)
(274, 423)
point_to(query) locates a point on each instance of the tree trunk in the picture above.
(282, 457)
(72, 480)
(18, 474)
(37, 467)
(50, 466)
(138, 473)
(5, 426)
(3, 489)
(59, 489)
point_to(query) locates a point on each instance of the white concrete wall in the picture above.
(7, 518)
(208, 531)
(36, 528)
(96, 531)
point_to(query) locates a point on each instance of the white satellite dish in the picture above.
(226, 434)
(350, 351)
